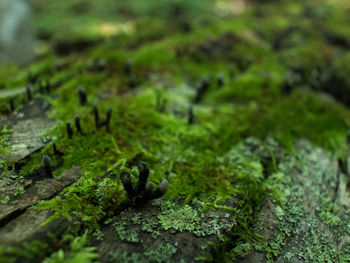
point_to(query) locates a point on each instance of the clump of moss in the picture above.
(78, 252)
(4, 140)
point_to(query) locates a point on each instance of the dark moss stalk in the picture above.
(202, 89)
(148, 190)
(143, 176)
(220, 80)
(55, 152)
(132, 81)
(47, 165)
(190, 115)
(125, 178)
(82, 95)
(69, 130)
(96, 116)
(29, 93)
(32, 78)
(12, 104)
(77, 124)
(108, 117)
(100, 123)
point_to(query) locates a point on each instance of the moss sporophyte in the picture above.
(47, 165)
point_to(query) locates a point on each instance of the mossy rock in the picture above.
(245, 117)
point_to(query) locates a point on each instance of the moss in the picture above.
(30, 252)
(95, 153)
(83, 200)
(78, 252)
(34, 161)
(4, 140)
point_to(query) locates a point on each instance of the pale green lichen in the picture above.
(314, 245)
(124, 257)
(124, 234)
(164, 253)
(151, 226)
(185, 218)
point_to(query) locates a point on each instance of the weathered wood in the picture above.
(304, 231)
(35, 191)
(28, 227)
(27, 125)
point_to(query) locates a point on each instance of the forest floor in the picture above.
(239, 109)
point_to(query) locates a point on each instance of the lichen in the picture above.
(164, 253)
(184, 218)
(190, 219)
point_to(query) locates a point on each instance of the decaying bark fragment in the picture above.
(33, 192)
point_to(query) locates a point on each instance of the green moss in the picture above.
(34, 161)
(84, 202)
(4, 140)
(30, 252)
(79, 252)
